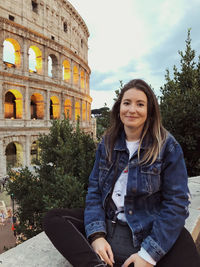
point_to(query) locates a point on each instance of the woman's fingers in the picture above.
(137, 260)
(110, 253)
(103, 249)
(128, 261)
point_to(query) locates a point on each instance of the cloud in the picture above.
(136, 39)
(102, 97)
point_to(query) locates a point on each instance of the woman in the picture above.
(137, 199)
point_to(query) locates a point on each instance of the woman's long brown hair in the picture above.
(153, 131)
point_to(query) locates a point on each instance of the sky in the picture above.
(135, 39)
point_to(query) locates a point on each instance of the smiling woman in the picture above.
(138, 196)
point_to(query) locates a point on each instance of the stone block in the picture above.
(35, 252)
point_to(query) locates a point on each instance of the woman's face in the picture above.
(133, 109)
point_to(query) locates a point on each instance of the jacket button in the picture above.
(130, 212)
(134, 190)
(155, 170)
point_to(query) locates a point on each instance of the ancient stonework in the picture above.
(44, 74)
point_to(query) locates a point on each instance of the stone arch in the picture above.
(13, 105)
(52, 66)
(54, 108)
(35, 59)
(11, 53)
(68, 109)
(66, 71)
(37, 106)
(75, 75)
(82, 79)
(77, 110)
(14, 155)
(83, 111)
(34, 151)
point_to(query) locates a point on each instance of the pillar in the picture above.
(27, 151)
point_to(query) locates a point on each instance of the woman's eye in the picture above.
(126, 103)
(140, 105)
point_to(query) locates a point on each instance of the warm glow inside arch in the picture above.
(83, 111)
(68, 109)
(13, 105)
(77, 111)
(35, 59)
(54, 108)
(75, 75)
(14, 155)
(37, 106)
(87, 81)
(82, 79)
(88, 112)
(66, 71)
(11, 53)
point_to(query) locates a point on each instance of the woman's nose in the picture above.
(132, 108)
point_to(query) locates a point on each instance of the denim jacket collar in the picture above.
(120, 144)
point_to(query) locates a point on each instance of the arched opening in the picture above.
(14, 155)
(66, 71)
(37, 106)
(68, 109)
(77, 111)
(75, 75)
(35, 59)
(13, 106)
(82, 79)
(10, 106)
(83, 111)
(52, 66)
(54, 108)
(34, 152)
(11, 53)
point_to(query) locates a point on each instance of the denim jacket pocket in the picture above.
(150, 175)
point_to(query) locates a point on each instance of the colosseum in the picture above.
(44, 74)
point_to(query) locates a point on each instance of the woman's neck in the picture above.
(132, 134)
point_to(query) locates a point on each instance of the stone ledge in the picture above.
(39, 251)
(35, 252)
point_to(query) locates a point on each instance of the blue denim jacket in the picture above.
(157, 197)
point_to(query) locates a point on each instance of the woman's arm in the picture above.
(94, 217)
(174, 206)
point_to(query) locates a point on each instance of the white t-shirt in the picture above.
(119, 192)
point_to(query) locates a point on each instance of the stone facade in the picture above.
(44, 74)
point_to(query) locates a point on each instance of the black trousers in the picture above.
(65, 229)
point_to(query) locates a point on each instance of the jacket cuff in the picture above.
(95, 227)
(153, 249)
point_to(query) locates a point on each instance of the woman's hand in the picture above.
(137, 260)
(103, 249)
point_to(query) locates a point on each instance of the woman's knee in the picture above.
(51, 218)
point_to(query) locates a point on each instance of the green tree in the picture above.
(180, 106)
(102, 116)
(60, 178)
